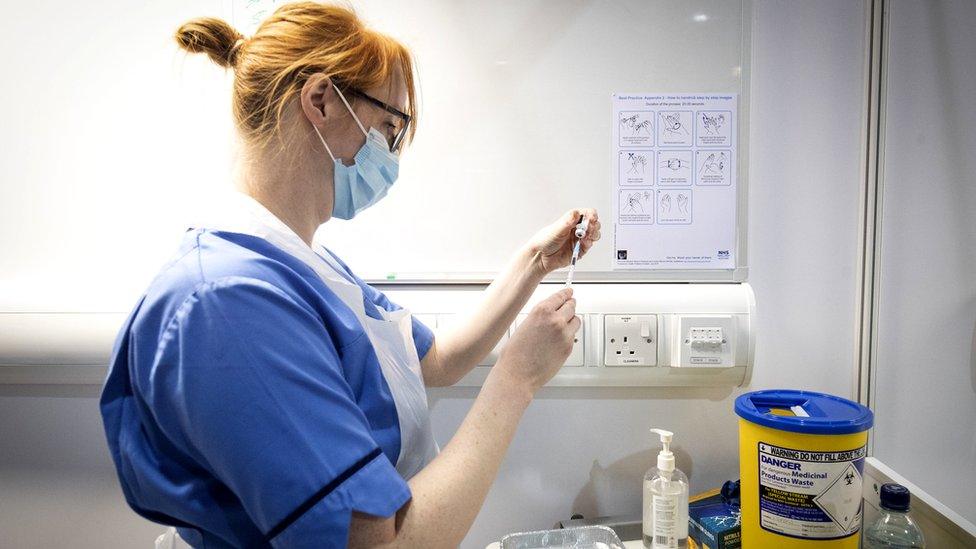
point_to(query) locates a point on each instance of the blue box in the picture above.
(714, 522)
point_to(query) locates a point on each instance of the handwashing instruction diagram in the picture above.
(636, 167)
(714, 167)
(636, 207)
(674, 128)
(674, 187)
(714, 128)
(674, 168)
(636, 128)
(674, 206)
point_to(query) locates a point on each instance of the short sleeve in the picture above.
(250, 380)
(423, 336)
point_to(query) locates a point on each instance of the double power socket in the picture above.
(633, 340)
(697, 340)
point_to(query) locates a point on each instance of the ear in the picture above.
(316, 94)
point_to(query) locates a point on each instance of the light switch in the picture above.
(706, 341)
(707, 338)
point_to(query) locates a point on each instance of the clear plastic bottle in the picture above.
(894, 529)
(665, 523)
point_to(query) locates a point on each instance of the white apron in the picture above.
(391, 337)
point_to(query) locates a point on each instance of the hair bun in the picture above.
(212, 36)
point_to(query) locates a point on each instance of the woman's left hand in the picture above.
(554, 243)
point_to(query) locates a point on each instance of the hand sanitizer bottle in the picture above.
(665, 500)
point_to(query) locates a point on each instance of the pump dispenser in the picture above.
(665, 500)
(665, 459)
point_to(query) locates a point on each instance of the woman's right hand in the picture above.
(542, 341)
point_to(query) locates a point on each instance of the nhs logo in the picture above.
(723, 254)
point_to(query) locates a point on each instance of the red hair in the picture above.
(295, 42)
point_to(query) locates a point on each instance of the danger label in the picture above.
(812, 495)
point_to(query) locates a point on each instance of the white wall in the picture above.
(925, 390)
(107, 116)
(578, 450)
(57, 484)
(103, 158)
(585, 450)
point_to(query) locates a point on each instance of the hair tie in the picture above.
(232, 54)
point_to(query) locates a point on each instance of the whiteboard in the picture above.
(114, 141)
(516, 121)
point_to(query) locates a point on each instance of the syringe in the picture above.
(580, 233)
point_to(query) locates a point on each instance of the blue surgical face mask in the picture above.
(373, 172)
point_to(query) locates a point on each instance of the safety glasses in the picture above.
(396, 141)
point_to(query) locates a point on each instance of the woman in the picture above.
(260, 393)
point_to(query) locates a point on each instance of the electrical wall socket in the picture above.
(630, 340)
(577, 356)
(706, 341)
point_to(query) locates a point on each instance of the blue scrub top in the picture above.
(245, 405)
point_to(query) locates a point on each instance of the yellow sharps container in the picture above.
(801, 461)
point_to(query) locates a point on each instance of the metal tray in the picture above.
(583, 537)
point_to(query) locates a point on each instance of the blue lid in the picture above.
(895, 497)
(804, 412)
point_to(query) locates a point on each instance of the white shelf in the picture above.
(668, 302)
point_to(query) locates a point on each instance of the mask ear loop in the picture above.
(324, 144)
(354, 117)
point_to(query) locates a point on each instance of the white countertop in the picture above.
(636, 544)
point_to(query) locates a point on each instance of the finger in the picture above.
(590, 215)
(593, 221)
(556, 300)
(562, 229)
(585, 249)
(567, 310)
(570, 219)
(575, 324)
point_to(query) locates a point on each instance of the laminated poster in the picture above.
(673, 184)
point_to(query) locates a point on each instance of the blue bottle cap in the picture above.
(895, 497)
(804, 412)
